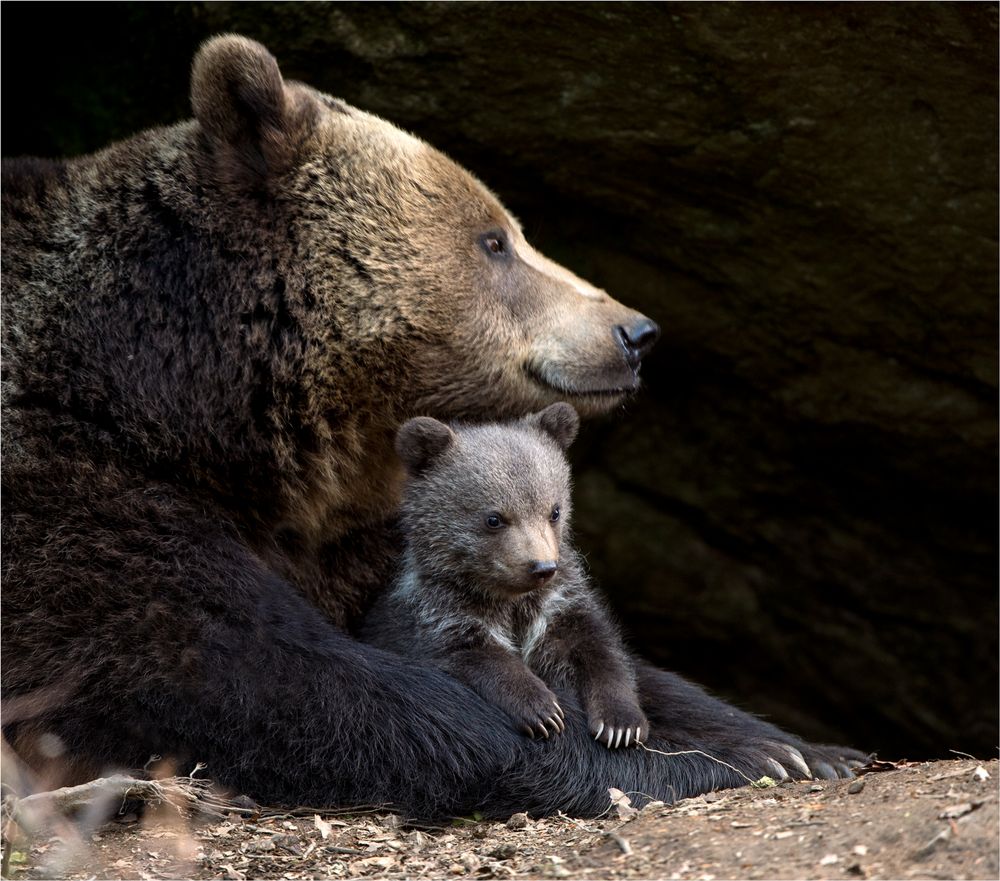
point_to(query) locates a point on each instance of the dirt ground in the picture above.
(928, 820)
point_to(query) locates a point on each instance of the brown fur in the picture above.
(211, 333)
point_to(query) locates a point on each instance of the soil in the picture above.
(927, 820)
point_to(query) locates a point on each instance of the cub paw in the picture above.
(539, 715)
(619, 725)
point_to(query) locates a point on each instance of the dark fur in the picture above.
(211, 334)
(452, 606)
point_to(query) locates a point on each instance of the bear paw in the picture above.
(619, 726)
(539, 716)
(812, 761)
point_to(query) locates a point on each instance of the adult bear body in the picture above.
(211, 334)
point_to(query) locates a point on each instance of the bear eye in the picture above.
(554, 516)
(494, 521)
(495, 244)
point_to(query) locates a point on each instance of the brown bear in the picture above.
(490, 588)
(212, 332)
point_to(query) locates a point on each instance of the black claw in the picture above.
(824, 771)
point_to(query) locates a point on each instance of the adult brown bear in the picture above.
(211, 334)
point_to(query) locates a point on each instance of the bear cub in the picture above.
(490, 589)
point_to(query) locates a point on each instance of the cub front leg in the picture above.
(503, 680)
(585, 642)
(614, 716)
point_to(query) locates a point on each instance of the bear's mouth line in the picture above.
(611, 392)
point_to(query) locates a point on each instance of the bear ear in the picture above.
(242, 103)
(560, 421)
(420, 441)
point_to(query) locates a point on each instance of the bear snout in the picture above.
(637, 338)
(542, 570)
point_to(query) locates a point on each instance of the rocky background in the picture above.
(800, 511)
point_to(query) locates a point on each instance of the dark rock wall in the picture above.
(801, 509)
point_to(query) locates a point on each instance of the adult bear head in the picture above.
(408, 275)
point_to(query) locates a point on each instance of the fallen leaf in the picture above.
(960, 810)
(621, 803)
(324, 828)
(981, 774)
(765, 782)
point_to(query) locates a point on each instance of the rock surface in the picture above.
(801, 509)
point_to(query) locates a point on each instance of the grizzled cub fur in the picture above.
(490, 589)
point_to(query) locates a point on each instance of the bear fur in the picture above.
(490, 588)
(212, 332)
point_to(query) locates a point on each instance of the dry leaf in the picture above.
(981, 774)
(323, 826)
(621, 803)
(955, 811)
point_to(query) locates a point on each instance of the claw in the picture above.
(555, 725)
(618, 739)
(559, 710)
(628, 735)
(823, 771)
(638, 729)
(777, 770)
(611, 733)
(600, 728)
(797, 760)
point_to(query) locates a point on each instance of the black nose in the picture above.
(637, 339)
(543, 570)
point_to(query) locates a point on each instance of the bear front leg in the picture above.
(137, 622)
(607, 691)
(583, 642)
(502, 679)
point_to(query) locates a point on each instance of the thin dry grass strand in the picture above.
(697, 752)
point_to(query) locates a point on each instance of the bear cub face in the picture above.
(490, 505)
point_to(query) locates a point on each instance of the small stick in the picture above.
(698, 752)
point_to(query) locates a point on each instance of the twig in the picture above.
(622, 843)
(32, 812)
(698, 752)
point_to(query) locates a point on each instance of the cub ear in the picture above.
(560, 421)
(244, 106)
(420, 441)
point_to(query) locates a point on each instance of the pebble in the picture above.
(518, 821)
(856, 786)
(503, 851)
(815, 788)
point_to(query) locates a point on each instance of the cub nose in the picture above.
(543, 570)
(637, 339)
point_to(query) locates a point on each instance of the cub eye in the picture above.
(495, 244)
(554, 516)
(494, 521)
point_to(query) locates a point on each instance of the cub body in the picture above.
(490, 588)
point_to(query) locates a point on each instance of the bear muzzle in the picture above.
(637, 339)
